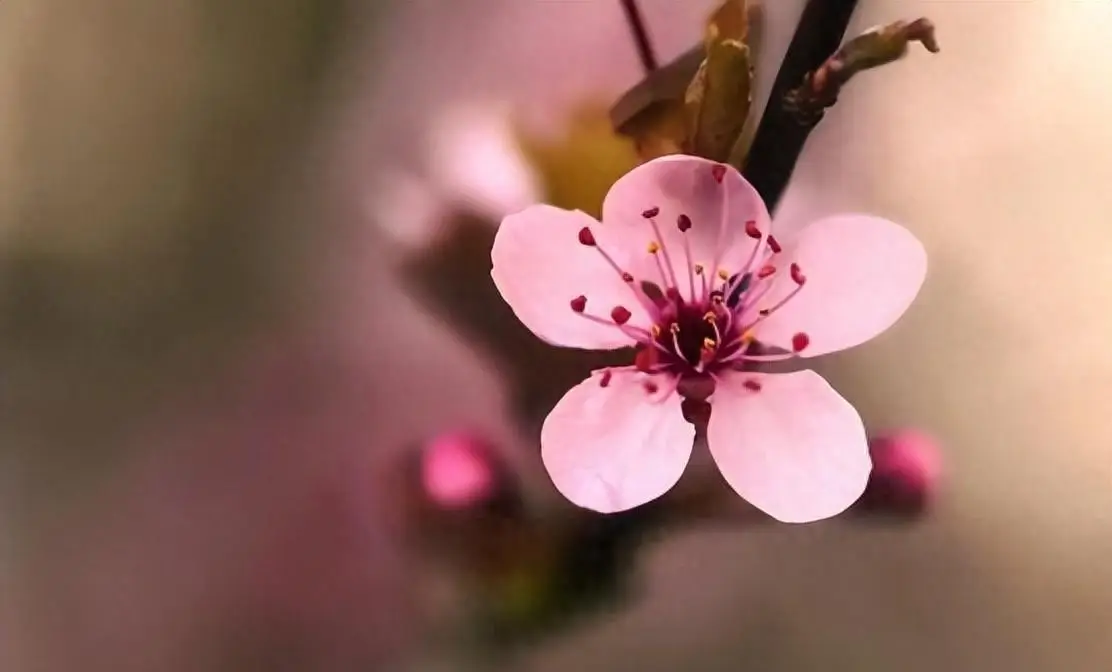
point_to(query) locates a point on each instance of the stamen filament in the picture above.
(690, 266)
(721, 226)
(664, 251)
(641, 298)
(641, 336)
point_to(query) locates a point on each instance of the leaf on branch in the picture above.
(876, 47)
(717, 101)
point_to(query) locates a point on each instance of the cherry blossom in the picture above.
(684, 268)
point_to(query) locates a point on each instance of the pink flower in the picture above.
(685, 269)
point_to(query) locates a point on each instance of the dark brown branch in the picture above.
(640, 35)
(780, 137)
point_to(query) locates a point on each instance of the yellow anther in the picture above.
(710, 316)
(675, 328)
(654, 247)
(698, 269)
(723, 275)
(747, 337)
(708, 344)
(655, 331)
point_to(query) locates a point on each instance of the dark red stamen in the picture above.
(797, 275)
(766, 270)
(586, 237)
(650, 213)
(764, 312)
(719, 173)
(800, 341)
(752, 230)
(752, 385)
(628, 277)
(683, 222)
(606, 376)
(579, 304)
(774, 245)
(651, 387)
(620, 315)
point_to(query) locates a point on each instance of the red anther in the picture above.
(645, 360)
(627, 277)
(774, 245)
(752, 385)
(800, 341)
(752, 230)
(766, 271)
(651, 387)
(650, 213)
(797, 275)
(719, 173)
(579, 304)
(586, 237)
(620, 315)
(605, 380)
(764, 312)
(683, 222)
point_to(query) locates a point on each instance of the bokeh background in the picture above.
(213, 360)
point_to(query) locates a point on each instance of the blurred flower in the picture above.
(907, 468)
(685, 270)
(477, 162)
(475, 166)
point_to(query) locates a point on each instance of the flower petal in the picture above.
(684, 185)
(539, 266)
(862, 274)
(613, 448)
(794, 448)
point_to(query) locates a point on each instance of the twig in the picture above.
(640, 35)
(780, 137)
(872, 49)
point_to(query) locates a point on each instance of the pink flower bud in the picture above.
(458, 470)
(907, 468)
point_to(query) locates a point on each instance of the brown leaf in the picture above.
(717, 100)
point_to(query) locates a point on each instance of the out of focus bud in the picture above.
(475, 160)
(458, 471)
(907, 468)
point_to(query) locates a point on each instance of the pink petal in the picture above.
(794, 448)
(540, 266)
(613, 448)
(684, 185)
(862, 274)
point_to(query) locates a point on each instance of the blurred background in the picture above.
(258, 411)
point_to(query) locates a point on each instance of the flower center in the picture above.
(711, 327)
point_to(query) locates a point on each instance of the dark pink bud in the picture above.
(907, 468)
(458, 471)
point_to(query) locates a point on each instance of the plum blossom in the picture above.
(684, 268)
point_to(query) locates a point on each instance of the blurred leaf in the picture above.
(876, 47)
(718, 98)
(578, 168)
